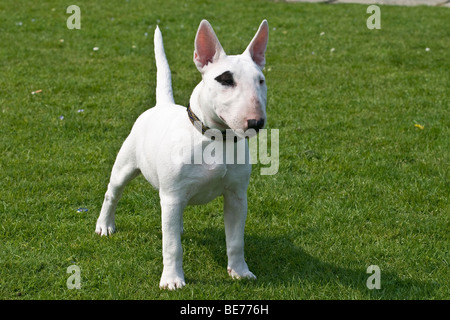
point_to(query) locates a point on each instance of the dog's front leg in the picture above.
(235, 211)
(172, 277)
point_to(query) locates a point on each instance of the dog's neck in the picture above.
(204, 112)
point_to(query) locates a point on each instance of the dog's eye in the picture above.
(261, 82)
(226, 79)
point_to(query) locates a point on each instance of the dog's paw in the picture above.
(105, 228)
(171, 282)
(245, 274)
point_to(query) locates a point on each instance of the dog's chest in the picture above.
(211, 182)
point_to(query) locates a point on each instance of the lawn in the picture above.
(363, 118)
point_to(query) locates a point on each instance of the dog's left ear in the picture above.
(257, 47)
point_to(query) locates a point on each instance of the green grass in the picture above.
(358, 185)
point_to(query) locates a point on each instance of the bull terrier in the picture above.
(230, 98)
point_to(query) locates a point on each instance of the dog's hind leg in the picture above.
(124, 170)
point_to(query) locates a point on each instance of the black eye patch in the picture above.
(226, 79)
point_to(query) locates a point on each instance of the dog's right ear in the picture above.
(207, 47)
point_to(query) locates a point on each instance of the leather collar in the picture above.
(204, 128)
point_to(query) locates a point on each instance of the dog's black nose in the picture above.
(255, 124)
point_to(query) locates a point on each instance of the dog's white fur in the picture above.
(160, 132)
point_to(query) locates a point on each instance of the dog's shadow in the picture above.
(277, 261)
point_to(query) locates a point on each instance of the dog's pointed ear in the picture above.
(257, 47)
(207, 47)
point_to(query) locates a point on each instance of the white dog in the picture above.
(231, 95)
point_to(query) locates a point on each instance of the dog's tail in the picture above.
(163, 77)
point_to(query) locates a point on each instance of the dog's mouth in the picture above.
(240, 133)
(224, 122)
(223, 127)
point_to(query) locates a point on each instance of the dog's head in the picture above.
(234, 86)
